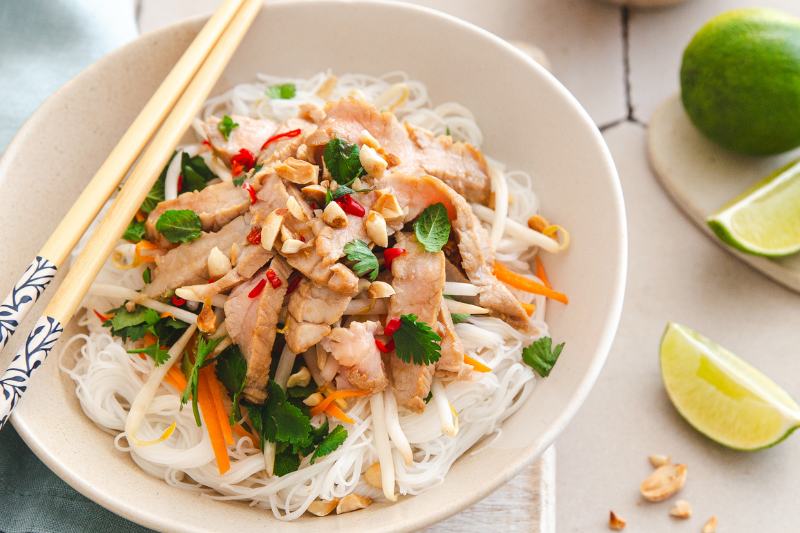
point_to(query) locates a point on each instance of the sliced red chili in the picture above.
(178, 301)
(254, 236)
(302, 239)
(257, 289)
(180, 182)
(385, 348)
(313, 206)
(350, 206)
(236, 168)
(391, 326)
(293, 285)
(287, 135)
(210, 281)
(245, 158)
(390, 253)
(206, 143)
(100, 315)
(273, 279)
(251, 191)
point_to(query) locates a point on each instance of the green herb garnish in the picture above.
(334, 439)
(365, 259)
(155, 352)
(134, 232)
(226, 125)
(201, 354)
(343, 161)
(231, 372)
(416, 342)
(285, 91)
(343, 190)
(147, 275)
(179, 225)
(432, 228)
(541, 357)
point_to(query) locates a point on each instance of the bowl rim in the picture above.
(526, 457)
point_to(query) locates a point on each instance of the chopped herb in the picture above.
(179, 225)
(203, 349)
(257, 167)
(135, 231)
(278, 420)
(195, 173)
(334, 439)
(457, 317)
(429, 397)
(433, 227)
(365, 260)
(154, 197)
(343, 161)
(147, 275)
(284, 92)
(541, 357)
(415, 342)
(302, 392)
(238, 182)
(225, 126)
(343, 190)
(286, 462)
(231, 372)
(131, 325)
(155, 352)
(448, 131)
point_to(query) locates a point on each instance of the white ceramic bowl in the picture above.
(530, 121)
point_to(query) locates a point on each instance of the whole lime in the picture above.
(740, 81)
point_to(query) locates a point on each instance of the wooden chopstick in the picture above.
(66, 300)
(58, 247)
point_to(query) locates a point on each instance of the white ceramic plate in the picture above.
(530, 121)
(701, 177)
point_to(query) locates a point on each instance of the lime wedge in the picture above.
(723, 397)
(765, 219)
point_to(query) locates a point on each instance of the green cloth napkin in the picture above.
(44, 43)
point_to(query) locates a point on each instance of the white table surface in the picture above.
(620, 65)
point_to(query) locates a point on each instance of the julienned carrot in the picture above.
(216, 393)
(172, 382)
(321, 406)
(239, 430)
(477, 365)
(211, 419)
(145, 245)
(177, 377)
(540, 273)
(338, 413)
(518, 281)
(529, 308)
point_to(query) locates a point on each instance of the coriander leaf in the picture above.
(179, 225)
(318, 435)
(541, 357)
(365, 259)
(131, 325)
(433, 227)
(448, 131)
(135, 231)
(302, 392)
(155, 352)
(225, 126)
(255, 412)
(415, 342)
(286, 462)
(343, 161)
(231, 371)
(285, 91)
(154, 197)
(147, 275)
(201, 353)
(168, 330)
(276, 397)
(238, 182)
(290, 423)
(334, 439)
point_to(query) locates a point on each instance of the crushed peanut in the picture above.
(352, 502)
(322, 507)
(711, 525)
(663, 483)
(682, 509)
(373, 476)
(615, 522)
(659, 460)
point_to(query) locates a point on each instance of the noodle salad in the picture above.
(324, 301)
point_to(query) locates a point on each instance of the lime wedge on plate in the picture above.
(765, 219)
(723, 397)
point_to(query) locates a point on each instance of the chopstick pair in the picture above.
(191, 79)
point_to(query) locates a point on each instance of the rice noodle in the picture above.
(108, 379)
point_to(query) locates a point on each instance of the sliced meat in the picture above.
(312, 309)
(418, 281)
(451, 364)
(187, 264)
(283, 149)
(477, 259)
(460, 165)
(251, 133)
(252, 258)
(354, 348)
(215, 205)
(252, 323)
(331, 242)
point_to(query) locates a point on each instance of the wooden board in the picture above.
(527, 504)
(701, 177)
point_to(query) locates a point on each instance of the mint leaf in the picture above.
(154, 197)
(433, 227)
(334, 439)
(225, 126)
(231, 372)
(541, 357)
(415, 342)
(147, 276)
(365, 259)
(342, 161)
(342, 190)
(179, 225)
(285, 91)
(155, 352)
(135, 231)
